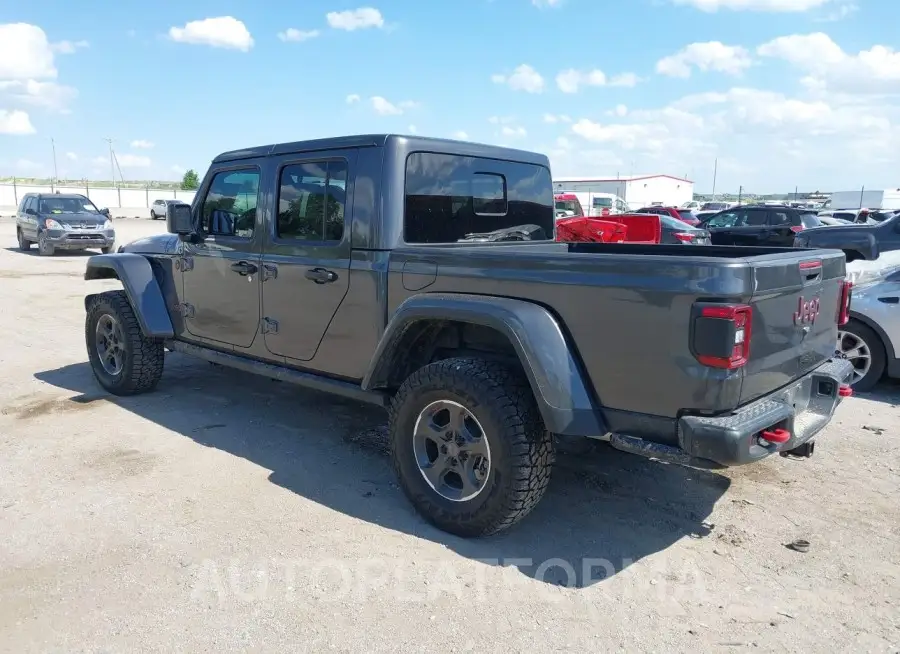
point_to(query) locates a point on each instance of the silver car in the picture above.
(871, 339)
(158, 208)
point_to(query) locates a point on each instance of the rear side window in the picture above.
(451, 198)
(311, 201)
(779, 218)
(755, 218)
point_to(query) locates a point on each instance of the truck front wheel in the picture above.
(124, 361)
(469, 446)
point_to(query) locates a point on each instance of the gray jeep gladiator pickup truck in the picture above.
(359, 266)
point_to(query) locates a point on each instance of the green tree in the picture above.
(190, 181)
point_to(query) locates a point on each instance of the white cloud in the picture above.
(763, 140)
(523, 78)
(461, 135)
(554, 118)
(571, 80)
(353, 98)
(132, 161)
(829, 67)
(220, 32)
(71, 156)
(178, 170)
(297, 36)
(141, 144)
(355, 19)
(384, 107)
(501, 120)
(25, 53)
(514, 132)
(544, 4)
(47, 95)
(413, 129)
(69, 47)
(708, 56)
(783, 6)
(27, 165)
(15, 123)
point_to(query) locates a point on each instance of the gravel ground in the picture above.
(225, 512)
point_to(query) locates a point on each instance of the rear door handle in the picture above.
(244, 268)
(320, 275)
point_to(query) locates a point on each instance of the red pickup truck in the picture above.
(629, 228)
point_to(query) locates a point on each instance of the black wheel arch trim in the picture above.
(893, 363)
(141, 287)
(556, 378)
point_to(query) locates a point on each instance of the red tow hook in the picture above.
(845, 390)
(776, 436)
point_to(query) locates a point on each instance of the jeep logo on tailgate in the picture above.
(807, 312)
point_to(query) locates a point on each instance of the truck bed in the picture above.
(627, 310)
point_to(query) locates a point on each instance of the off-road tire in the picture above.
(24, 243)
(521, 448)
(45, 249)
(144, 357)
(876, 349)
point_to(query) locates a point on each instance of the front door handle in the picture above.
(320, 275)
(244, 268)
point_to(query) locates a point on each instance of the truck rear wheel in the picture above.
(468, 445)
(124, 361)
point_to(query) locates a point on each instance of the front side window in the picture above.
(229, 208)
(312, 200)
(454, 198)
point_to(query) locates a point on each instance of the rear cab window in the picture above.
(455, 199)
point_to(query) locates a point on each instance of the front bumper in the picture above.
(802, 408)
(80, 239)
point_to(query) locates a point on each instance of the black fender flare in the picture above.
(141, 287)
(555, 376)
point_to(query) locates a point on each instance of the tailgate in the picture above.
(795, 311)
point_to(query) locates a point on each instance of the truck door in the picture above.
(221, 284)
(306, 260)
(781, 233)
(752, 227)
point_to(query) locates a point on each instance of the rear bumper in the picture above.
(802, 408)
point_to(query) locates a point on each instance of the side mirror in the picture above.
(105, 212)
(179, 219)
(31, 212)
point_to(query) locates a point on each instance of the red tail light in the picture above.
(797, 229)
(844, 304)
(684, 237)
(720, 335)
(605, 212)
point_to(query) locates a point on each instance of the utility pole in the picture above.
(55, 170)
(112, 166)
(715, 173)
(740, 193)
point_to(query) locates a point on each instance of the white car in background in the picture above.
(871, 339)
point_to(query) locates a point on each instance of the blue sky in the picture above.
(781, 92)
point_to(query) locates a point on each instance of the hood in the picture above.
(84, 218)
(157, 244)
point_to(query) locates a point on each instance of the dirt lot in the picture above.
(230, 513)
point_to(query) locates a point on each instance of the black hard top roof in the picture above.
(408, 143)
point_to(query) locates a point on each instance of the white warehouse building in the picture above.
(637, 190)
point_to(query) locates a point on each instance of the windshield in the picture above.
(603, 203)
(714, 206)
(809, 220)
(673, 223)
(567, 205)
(67, 205)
